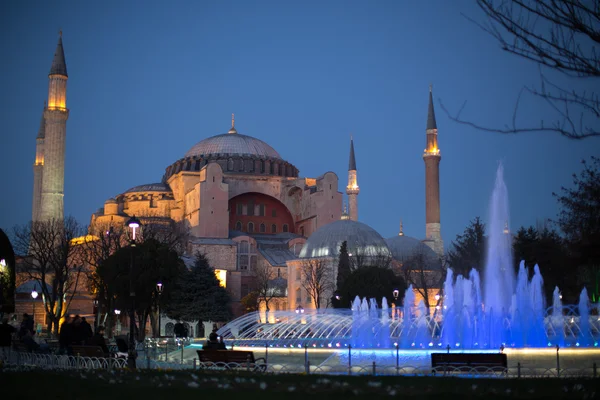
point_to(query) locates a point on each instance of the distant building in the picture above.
(245, 205)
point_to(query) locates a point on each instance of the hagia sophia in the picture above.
(245, 205)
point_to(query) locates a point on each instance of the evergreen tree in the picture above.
(199, 296)
(544, 247)
(468, 250)
(343, 266)
(343, 272)
(579, 220)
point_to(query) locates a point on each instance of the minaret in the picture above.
(352, 189)
(55, 116)
(401, 232)
(38, 169)
(432, 158)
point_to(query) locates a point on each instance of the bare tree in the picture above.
(102, 240)
(360, 258)
(561, 36)
(171, 233)
(317, 280)
(264, 275)
(53, 259)
(423, 273)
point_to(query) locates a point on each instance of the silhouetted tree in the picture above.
(198, 295)
(468, 250)
(544, 247)
(579, 220)
(250, 302)
(423, 272)
(317, 280)
(371, 282)
(52, 258)
(137, 269)
(560, 36)
(343, 272)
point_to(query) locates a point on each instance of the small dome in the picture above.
(152, 187)
(112, 200)
(404, 248)
(360, 238)
(234, 144)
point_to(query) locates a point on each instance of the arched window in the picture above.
(230, 164)
(285, 227)
(243, 246)
(301, 231)
(263, 228)
(241, 166)
(262, 166)
(238, 226)
(250, 227)
(298, 296)
(273, 228)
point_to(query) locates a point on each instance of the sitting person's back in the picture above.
(213, 343)
(98, 340)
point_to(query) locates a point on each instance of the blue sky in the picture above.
(149, 79)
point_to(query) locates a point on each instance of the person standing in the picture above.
(86, 330)
(6, 334)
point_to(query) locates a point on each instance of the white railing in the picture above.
(51, 361)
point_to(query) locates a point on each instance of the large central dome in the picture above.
(233, 143)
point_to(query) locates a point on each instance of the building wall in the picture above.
(274, 213)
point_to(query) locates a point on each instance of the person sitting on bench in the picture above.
(214, 343)
(98, 340)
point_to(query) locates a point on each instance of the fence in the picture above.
(51, 361)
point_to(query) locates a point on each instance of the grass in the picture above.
(170, 385)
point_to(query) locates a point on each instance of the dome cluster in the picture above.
(363, 240)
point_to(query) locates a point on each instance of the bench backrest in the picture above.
(226, 356)
(88, 351)
(474, 359)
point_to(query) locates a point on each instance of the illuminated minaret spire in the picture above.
(432, 158)
(55, 128)
(352, 189)
(38, 168)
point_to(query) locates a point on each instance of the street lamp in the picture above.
(34, 295)
(159, 289)
(437, 297)
(118, 314)
(299, 310)
(133, 224)
(396, 294)
(337, 295)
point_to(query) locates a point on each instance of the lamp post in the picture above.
(159, 289)
(118, 314)
(133, 223)
(299, 309)
(396, 293)
(34, 295)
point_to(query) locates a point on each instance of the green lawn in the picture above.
(171, 385)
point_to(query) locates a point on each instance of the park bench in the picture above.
(469, 362)
(231, 359)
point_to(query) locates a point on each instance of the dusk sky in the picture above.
(149, 79)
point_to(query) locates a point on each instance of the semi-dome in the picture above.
(233, 144)
(405, 248)
(361, 239)
(150, 187)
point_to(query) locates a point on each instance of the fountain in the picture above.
(508, 312)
